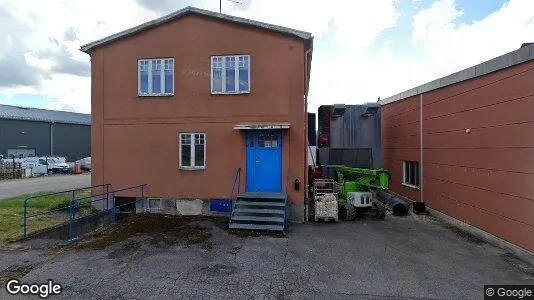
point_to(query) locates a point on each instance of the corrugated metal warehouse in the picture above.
(39, 132)
(463, 145)
(348, 135)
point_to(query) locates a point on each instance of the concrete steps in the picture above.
(259, 211)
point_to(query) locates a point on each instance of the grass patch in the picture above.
(53, 209)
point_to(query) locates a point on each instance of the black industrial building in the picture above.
(40, 132)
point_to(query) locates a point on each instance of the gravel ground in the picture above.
(407, 258)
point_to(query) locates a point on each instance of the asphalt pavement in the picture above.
(53, 183)
(413, 257)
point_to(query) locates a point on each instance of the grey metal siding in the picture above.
(354, 131)
(24, 134)
(69, 140)
(358, 158)
(72, 141)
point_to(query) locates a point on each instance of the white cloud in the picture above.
(339, 71)
(435, 19)
(61, 69)
(345, 68)
(448, 47)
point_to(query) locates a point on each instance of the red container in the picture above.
(77, 168)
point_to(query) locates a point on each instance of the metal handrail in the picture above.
(73, 204)
(131, 187)
(62, 192)
(237, 180)
(25, 203)
(286, 198)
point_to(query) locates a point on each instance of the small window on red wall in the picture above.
(411, 173)
(192, 150)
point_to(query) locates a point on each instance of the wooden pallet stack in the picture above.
(10, 170)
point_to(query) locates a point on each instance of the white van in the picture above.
(44, 165)
(38, 165)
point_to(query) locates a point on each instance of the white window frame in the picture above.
(162, 77)
(159, 208)
(405, 169)
(192, 150)
(236, 70)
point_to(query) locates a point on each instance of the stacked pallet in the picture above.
(326, 208)
(10, 170)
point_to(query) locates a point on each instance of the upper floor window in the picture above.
(156, 77)
(230, 74)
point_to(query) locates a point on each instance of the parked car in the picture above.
(56, 165)
(85, 163)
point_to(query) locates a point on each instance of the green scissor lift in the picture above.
(363, 182)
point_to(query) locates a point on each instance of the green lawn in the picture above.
(54, 211)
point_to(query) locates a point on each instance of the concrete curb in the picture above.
(519, 252)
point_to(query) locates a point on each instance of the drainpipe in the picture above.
(306, 87)
(421, 149)
(419, 207)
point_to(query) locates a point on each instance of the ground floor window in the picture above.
(154, 203)
(192, 150)
(411, 173)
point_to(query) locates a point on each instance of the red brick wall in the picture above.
(485, 177)
(135, 139)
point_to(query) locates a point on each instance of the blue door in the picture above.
(264, 161)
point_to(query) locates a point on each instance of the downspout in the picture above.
(421, 149)
(419, 207)
(306, 88)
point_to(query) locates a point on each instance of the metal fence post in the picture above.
(143, 198)
(71, 218)
(107, 196)
(25, 215)
(113, 210)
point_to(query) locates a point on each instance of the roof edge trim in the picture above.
(87, 48)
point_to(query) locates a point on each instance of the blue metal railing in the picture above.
(286, 203)
(73, 191)
(74, 204)
(237, 182)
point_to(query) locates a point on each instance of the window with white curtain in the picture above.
(230, 74)
(156, 77)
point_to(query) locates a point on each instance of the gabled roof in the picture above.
(43, 115)
(193, 10)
